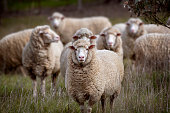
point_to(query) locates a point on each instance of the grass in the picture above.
(139, 94)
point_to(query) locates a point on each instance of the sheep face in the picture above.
(133, 26)
(110, 39)
(56, 19)
(81, 51)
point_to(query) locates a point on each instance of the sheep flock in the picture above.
(89, 53)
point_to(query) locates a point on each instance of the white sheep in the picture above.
(93, 74)
(152, 28)
(152, 52)
(110, 39)
(66, 26)
(41, 56)
(134, 29)
(121, 27)
(82, 33)
(11, 47)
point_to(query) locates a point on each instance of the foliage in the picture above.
(155, 11)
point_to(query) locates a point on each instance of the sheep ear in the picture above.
(102, 34)
(127, 24)
(41, 32)
(91, 46)
(119, 34)
(93, 37)
(72, 47)
(49, 18)
(141, 23)
(62, 18)
(75, 37)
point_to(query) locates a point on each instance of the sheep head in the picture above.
(56, 19)
(82, 33)
(44, 35)
(134, 27)
(82, 51)
(110, 36)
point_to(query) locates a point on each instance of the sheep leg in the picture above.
(53, 85)
(90, 104)
(115, 95)
(34, 87)
(43, 86)
(103, 102)
(82, 108)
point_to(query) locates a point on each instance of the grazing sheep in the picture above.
(93, 74)
(110, 39)
(134, 29)
(152, 28)
(152, 52)
(41, 56)
(11, 47)
(82, 33)
(66, 27)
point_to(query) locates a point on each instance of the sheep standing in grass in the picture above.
(11, 47)
(41, 56)
(134, 29)
(82, 33)
(93, 74)
(110, 39)
(152, 52)
(66, 27)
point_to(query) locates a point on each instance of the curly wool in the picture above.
(151, 52)
(87, 82)
(39, 58)
(11, 47)
(69, 26)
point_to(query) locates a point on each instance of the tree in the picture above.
(154, 11)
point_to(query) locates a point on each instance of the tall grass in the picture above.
(140, 93)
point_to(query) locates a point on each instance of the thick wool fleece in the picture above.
(99, 75)
(69, 26)
(11, 47)
(152, 51)
(39, 59)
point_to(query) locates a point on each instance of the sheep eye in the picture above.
(128, 24)
(141, 24)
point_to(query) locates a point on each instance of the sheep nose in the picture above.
(81, 57)
(110, 43)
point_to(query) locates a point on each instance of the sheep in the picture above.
(134, 29)
(152, 28)
(121, 27)
(66, 26)
(151, 52)
(93, 74)
(168, 22)
(41, 57)
(82, 33)
(110, 39)
(11, 47)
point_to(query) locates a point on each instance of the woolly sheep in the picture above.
(110, 39)
(82, 33)
(41, 56)
(152, 52)
(121, 27)
(66, 26)
(93, 74)
(134, 29)
(152, 28)
(11, 47)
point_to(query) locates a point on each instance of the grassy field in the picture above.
(140, 93)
